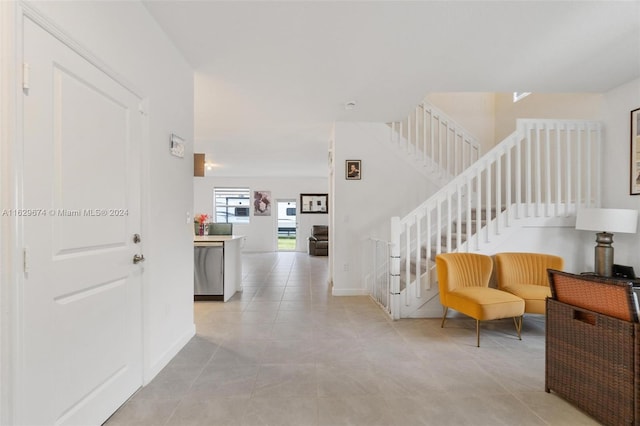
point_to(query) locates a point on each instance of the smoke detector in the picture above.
(350, 105)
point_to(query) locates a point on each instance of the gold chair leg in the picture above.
(444, 315)
(518, 322)
(478, 333)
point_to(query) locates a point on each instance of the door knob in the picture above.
(137, 258)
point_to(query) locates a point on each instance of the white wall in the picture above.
(563, 241)
(583, 106)
(261, 233)
(617, 106)
(473, 111)
(363, 208)
(491, 117)
(125, 37)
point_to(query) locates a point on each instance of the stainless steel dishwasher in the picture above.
(208, 282)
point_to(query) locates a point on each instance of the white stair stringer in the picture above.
(428, 304)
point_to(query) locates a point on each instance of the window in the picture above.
(231, 205)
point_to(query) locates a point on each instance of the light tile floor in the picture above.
(286, 352)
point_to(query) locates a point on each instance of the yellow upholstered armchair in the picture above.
(463, 281)
(525, 275)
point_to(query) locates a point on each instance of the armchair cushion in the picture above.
(485, 303)
(319, 240)
(463, 281)
(535, 296)
(320, 232)
(525, 275)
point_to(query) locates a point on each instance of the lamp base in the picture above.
(604, 254)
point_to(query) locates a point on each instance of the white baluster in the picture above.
(498, 193)
(424, 135)
(567, 163)
(547, 164)
(438, 227)
(469, 225)
(478, 206)
(417, 133)
(407, 263)
(559, 161)
(508, 177)
(588, 170)
(527, 175)
(409, 134)
(538, 172)
(418, 259)
(458, 218)
(488, 202)
(598, 165)
(579, 175)
(448, 223)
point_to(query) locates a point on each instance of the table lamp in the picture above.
(605, 222)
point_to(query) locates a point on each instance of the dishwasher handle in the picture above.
(208, 244)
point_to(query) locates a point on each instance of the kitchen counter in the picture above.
(216, 238)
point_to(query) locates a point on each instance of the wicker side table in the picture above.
(592, 361)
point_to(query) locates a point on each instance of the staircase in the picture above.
(434, 143)
(542, 172)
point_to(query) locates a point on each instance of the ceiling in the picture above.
(271, 77)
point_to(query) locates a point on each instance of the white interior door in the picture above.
(80, 349)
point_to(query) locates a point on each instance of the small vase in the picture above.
(201, 229)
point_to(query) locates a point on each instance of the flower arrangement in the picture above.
(201, 223)
(201, 218)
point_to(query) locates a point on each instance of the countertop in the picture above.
(215, 238)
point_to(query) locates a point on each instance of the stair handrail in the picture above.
(512, 177)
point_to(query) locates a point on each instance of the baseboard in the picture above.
(152, 370)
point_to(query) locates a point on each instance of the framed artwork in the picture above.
(353, 169)
(262, 203)
(635, 152)
(314, 203)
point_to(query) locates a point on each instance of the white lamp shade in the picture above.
(608, 220)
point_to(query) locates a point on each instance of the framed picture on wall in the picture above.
(353, 169)
(314, 203)
(635, 152)
(262, 203)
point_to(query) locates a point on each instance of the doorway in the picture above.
(287, 225)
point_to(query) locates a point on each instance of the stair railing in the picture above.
(546, 168)
(376, 264)
(435, 140)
